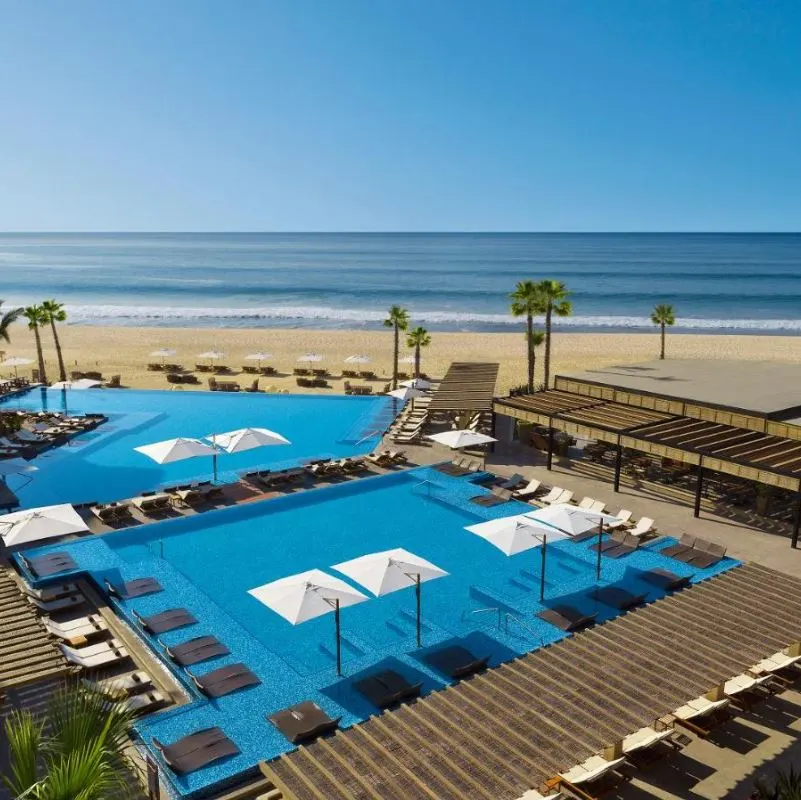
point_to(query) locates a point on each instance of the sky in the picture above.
(395, 115)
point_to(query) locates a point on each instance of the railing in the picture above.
(469, 612)
(522, 624)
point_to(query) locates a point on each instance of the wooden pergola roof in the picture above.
(467, 386)
(512, 728)
(750, 454)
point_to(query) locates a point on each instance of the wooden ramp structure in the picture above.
(510, 729)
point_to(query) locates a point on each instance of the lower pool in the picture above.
(102, 465)
(207, 564)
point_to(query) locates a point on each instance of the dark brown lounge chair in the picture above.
(664, 579)
(197, 750)
(223, 681)
(618, 598)
(685, 543)
(616, 538)
(166, 620)
(515, 482)
(708, 555)
(456, 662)
(51, 564)
(452, 469)
(303, 721)
(387, 688)
(193, 651)
(135, 588)
(628, 545)
(567, 618)
(495, 498)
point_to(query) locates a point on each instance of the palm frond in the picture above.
(24, 736)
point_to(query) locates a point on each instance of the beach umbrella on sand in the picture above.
(358, 359)
(311, 358)
(212, 355)
(45, 522)
(16, 361)
(163, 353)
(516, 534)
(390, 571)
(416, 383)
(309, 595)
(259, 357)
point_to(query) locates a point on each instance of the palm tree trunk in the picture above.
(417, 360)
(662, 352)
(530, 354)
(61, 371)
(548, 344)
(395, 359)
(40, 354)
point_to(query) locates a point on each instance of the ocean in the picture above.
(449, 281)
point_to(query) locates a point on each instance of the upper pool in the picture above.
(102, 465)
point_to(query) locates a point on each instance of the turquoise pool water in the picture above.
(208, 562)
(102, 465)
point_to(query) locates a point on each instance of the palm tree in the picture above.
(663, 315)
(81, 756)
(6, 319)
(398, 319)
(527, 301)
(37, 317)
(555, 300)
(417, 338)
(54, 312)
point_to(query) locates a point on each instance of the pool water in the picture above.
(207, 563)
(102, 465)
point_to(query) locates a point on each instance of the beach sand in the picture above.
(125, 351)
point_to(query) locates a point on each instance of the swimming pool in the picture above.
(102, 465)
(208, 562)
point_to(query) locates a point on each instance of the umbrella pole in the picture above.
(600, 542)
(214, 463)
(339, 637)
(542, 572)
(417, 593)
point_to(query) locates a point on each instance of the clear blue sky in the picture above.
(400, 115)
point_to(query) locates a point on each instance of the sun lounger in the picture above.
(643, 739)
(494, 498)
(594, 778)
(685, 544)
(616, 538)
(456, 662)
(552, 495)
(643, 527)
(451, 468)
(629, 544)
(664, 579)
(567, 618)
(95, 655)
(387, 688)
(565, 497)
(136, 588)
(774, 664)
(742, 687)
(707, 554)
(193, 651)
(223, 681)
(598, 507)
(618, 598)
(145, 702)
(76, 634)
(50, 564)
(120, 685)
(515, 482)
(702, 708)
(59, 604)
(52, 592)
(196, 750)
(622, 518)
(166, 620)
(303, 722)
(586, 503)
(529, 490)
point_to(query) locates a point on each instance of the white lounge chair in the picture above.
(623, 517)
(76, 633)
(590, 770)
(60, 604)
(95, 655)
(699, 707)
(552, 495)
(598, 506)
(143, 702)
(643, 527)
(643, 739)
(120, 684)
(531, 488)
(775, 663)
(52, 592)
(743, 683)
(565, 497)
(587, 503)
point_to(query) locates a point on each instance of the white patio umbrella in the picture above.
(416, 383)
(456, 440)
(406, 393)
(16, 361)
(45, 522)
(389, 571)
(163, 353)
(246, 439)
(212, 355)
(80, 384)
(358, 359)
(311, 358)
(259, 357)
(516, 534)
(308, 595)
(176, 450)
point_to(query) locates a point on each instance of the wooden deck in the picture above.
(512, 728)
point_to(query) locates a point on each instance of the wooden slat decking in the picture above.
(513, 727)
(467, 386)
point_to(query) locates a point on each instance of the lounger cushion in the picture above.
(168, 620)
(138, 588)
(52, 563)
(387, 688)
(456, 661)
(567, 618)
(664, 579)
(197, 750)
(303, 721)
(201, 648)
(223, 681)
(618, 598)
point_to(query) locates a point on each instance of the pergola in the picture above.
(708, 445)
(467, 386)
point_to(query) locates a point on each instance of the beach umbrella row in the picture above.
(214, 355)
(310, 594)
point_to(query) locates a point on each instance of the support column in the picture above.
(550, 444)
(492, 433)
(618, 464)
(796, 523)
(699, 487)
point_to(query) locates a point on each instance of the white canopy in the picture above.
(357, 359)
(83, 383)
(164, 352)
(311, 357)
(175, 450)
(258, 356)
(46, 522)
(16, 466)
(212, 354)
(570, 519)
(458, 439)
(389, 570)
(515, 534)
(246, 439)
(417, 383)
(16, 361)
(306, 595)
(405, 393)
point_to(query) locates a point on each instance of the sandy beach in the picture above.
(125, 351)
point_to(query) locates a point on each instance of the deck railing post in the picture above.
(618, 464)
(699, 488)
